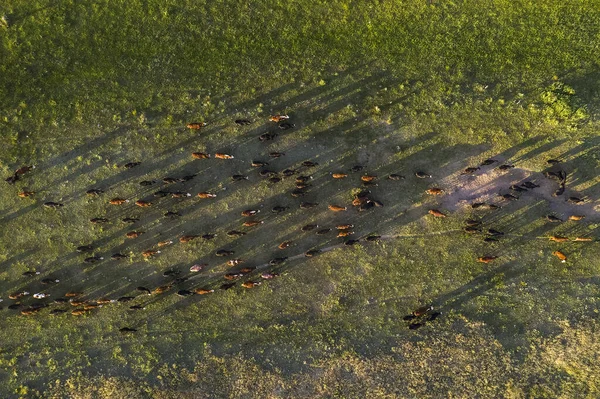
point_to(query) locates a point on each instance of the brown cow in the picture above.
(250, 212)
(345, 233)
(268, 276)
(161, 289)
(470, 171)
(312, 252)
(206, 195)
(436, 213)
(576, 217)
(560, 255)
(368, 178)
(220, 155)
(79, 312)
(558, 238)
(164, 243)
(486, 259)
(203, 291)
(252, 223)
(276, 154)
(337, 208)
(196, 125)
(18, 295)
(73, 294)
(150, 252)
(232, 276)
(200, 155)
(284, 244)
(187, 238)
(344, 226)
(25, 194)
(278, 118)
(259, 164)
(435, 191)
(423, 175)
(143, 204)
(583, 239)
(309, 227)
(134, 234)
(250, 284)
(339, 175)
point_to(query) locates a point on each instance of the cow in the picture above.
(518, 189)
(267, 136)
(344, 233)
(171, 214)
(130, 220)
(220, 155)
(98, 220)
(368, 178)
(146, 183)
(350, 242)
(279, 209)
(53, 205)
(235, 233)
(583, 239)
(576, 200)
(494, 232)
(118, 256)
(94, 191)
(187, 238)
(436, 213)
(144, 289)
(560, 255)
(576, 217)
(79, 312)
(73, 294)
(198, 267)
(286, 126)
(250, 212)
(529, 185)
(208, 236)
(226, 286)
(470, 171)
(309, 164)
(312, 252)
(49, 281)
(373, 238)
(277, 261)
(143, 204)
(268, 276)
(184, 293)
(308, 205)
(130, 165)
(104, 301)
(127, 330)
(205, 194)
(423, 175)
(224, 252)
(85, 248)
(553, 161)
(472, 222)
(203, 291)
(274, 179)
(309, 227)
(234, 262)
(435, 191)
(196, 125)
(18, 295)
(560, 191)
(366, 206)
(553, 219)
(161, 193)
(323, 231)
(359, 201)
(77, 302)
(134, 234)
(246, 270)
(509, 197)
(25, 194)
(558, 238)
(278, 118)
(284, 244)
(118, 201)
(250, 284)
(288, 172)
(149, 253)
(159, 290)
(302, 186)
(344, 226)
(136, 307)
(395, 177)
(232, 276)
(259, 164)
(164, 243)
(252, 223)
(486, 259)
(303, 179)
(243, 122)
(170, 180)
(30, 273)
(24, 169)
(200, 155)
(506, 167)
(471, 230)
(339, 175)
(337, 208)
(488, 162)
(93, 259)
(239, 177)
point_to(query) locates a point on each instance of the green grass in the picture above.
(398, 86)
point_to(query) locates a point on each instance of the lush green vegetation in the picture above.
(398, 86)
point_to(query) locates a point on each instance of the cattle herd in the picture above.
(247, 276)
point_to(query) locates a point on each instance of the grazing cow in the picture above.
(506, 167)
(99, 220)
(134, 234)
(436, 213)
(85, 248)
(275, 179)
(344, 226)
(303, 179)
(470, 171)
(130, 298)
(423, 175)
(53, 205)
(206, 195)
(277, 261)
(476, 205)
(339, 175)
(196, 125)
(268, 276)
(94, 192)
(235, 233)
(144, 289)
(553, 219)
(149, 253)
(25, 194)
(226, 286)
(79, 312)
(279, 209)
(284, 244)
(224, 252)
(252, 223)
(373, 238)
(529, 185)
(395, 177)
(200, 155)
(488, 162)
(143, 204)
(576, 217)
(164, 243)
(93, 259)
(267, 136)
(560, 176)
(509, 197)
(583, 239)
(472, 222)
(422, 311)
(302, 186)
(161, 193)
(560, 255)
(172, 214)
(250, 212)
(18, 295)
(312, 252)
(323, 231)
(286, 126)
(337, 208)
(344, 233)
(130, 220)
(233, 262)
(575, 200)
(298, 192)
(558, 238)
(136, 307)
(239, 177)
(104, 301)
(243, 122)
(24, 169)
(309, 164)
(170, 273)
(187, 238)
(171, 180)
(198, 267)
(208, 236)
(553, 161)
(130, 165)
(161, 289)
(247, 270)
(471, 230)
(146, 183)
(486, 259)
(117, 201)
(118, 256)
(358, 201)
(203, 291)
(73, 294)
(232, 276)
(435, 191)
(49, 281)
(220, 155)
(560, 191)
(308, 205)
(250, 284)
(518, 189)
(288, 172)
(184, 293)
(278, 118)
(12, 179)
(30, 273)
(368, 178)
(367, 205)
(127, 330)
(259, 164)
(493, 232)
(309, 227)
(350, 242)
(55, 312)
(29, 311)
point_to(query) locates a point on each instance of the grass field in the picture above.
(399, 87)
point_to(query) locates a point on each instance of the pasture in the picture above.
(398, 88)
